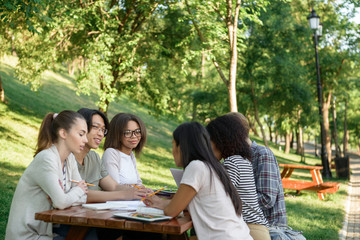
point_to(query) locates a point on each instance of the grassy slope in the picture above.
(20, 119)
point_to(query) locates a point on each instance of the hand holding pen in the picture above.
(152, 194)
(83, 185)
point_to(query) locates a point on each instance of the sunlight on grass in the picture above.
(21, 117)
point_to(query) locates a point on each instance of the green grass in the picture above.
(20, 119)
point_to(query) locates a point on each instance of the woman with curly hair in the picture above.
(229, 142)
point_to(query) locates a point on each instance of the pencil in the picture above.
(136, 186)
(154, 193)
(89, 184)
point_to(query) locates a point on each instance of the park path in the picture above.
(351, 227)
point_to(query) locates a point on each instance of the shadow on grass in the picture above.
(10, 175)
(316, 220)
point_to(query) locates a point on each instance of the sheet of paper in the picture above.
(177, 175)
(115, 205)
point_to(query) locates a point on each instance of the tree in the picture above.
(217, 26)
(105, 33)
(27, 13)
(272, 74)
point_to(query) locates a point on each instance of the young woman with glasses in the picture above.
(127, 134)
(92, 168)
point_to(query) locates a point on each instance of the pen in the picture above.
(89, 184)
(136, 186)
(154, 193)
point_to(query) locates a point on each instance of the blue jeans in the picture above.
(285, 233)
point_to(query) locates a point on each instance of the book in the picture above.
(150, 210)
(142, 216)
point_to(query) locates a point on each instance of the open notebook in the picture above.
(147, 214)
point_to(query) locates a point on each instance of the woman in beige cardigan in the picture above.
(46, 183)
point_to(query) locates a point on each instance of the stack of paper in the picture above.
(115, 205)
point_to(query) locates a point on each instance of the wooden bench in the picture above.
(316, 185)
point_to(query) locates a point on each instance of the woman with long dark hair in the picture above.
(127, 134)
(229, 140)
(92, 168)
(205, 188)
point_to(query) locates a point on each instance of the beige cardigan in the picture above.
(42, 178)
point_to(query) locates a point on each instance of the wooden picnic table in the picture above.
(81, 219)
(316, 184)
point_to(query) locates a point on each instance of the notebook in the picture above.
(177, 175)
(141, 216)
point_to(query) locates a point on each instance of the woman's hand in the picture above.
(83, 186)
(135, 193)
(156, 202)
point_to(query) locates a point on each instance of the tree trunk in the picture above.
(326, 106)
(254, 101)
(299, 141)
(299, 135)
(252, 125)
(270, 130)
(303, 148)
(71, 68)
(261, 126)
(287, 142)
(345, 138)
(203, 61)
(232, 18)
(292, 140)
(335, 135)
(316, 147)
(357, 138)
(2, 92)
(232, 24)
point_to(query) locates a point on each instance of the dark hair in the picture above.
(230, 136)
(194, 142)
(89, 113)
(242, 118)
(116, 131)
(50, 126)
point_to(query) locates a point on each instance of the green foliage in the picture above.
(27, 13)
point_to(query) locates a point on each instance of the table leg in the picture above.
(317, 178)
(183, 236)
(77, 233)
(286, 173)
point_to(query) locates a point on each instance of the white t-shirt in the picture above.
(211, 210)
(121, 167)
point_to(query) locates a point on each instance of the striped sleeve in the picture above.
(241, 175)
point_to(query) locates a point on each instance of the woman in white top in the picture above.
(229, 141)
(92, 168)
(205, 188)
(127, 133)
(46, 182)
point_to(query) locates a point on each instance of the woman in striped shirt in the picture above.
(228, 139)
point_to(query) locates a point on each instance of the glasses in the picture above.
(99, 129)
(130, 133)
